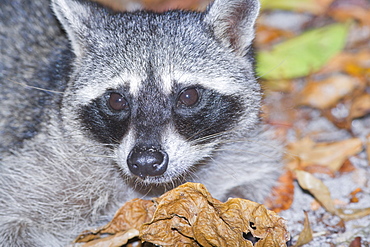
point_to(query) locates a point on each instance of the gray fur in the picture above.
(58, 175)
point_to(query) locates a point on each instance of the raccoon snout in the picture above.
(145, 161)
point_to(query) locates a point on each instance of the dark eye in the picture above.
(117, 102)
(189, 97)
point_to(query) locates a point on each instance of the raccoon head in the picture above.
(162, 90)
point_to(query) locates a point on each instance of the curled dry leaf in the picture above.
(117, 240)
(307, 153)
(189, 216)
(327, 93)
(321, 193)
(131, 215)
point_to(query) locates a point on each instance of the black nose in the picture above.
(144, 161)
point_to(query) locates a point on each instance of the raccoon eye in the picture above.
(189, 97)
(117, 102)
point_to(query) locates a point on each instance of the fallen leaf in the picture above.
(303, 54)
(131, 215)
(326, 93)
(117, 240)
(332, 155)
(317, 189)
(190, 216)
(305, 236)
(282, 195)
(322, 194)
(360, 106)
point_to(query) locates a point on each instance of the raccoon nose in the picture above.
(143, 161)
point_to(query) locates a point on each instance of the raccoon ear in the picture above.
(233, 22)
(73, 15)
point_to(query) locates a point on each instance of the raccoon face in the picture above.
(157, 136)
(162, 91)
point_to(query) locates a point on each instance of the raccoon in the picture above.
(99, 107)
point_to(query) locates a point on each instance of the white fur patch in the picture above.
(122, 152)
(94, 90)
(224, 85)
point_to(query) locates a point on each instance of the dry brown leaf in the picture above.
(331, 155)
(317, 189)
(321, 193)
(360, 106)
(327, 93)
(305, 236)
(131, 215)
(117, 240)
(189, 215)
(282, 195)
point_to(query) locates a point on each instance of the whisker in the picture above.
(227, 168)
(211, 136)
(244, 151)
(33, 87)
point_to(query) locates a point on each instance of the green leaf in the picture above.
(297, 5)
(302, 55)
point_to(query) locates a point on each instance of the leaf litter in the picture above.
(319, 103)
